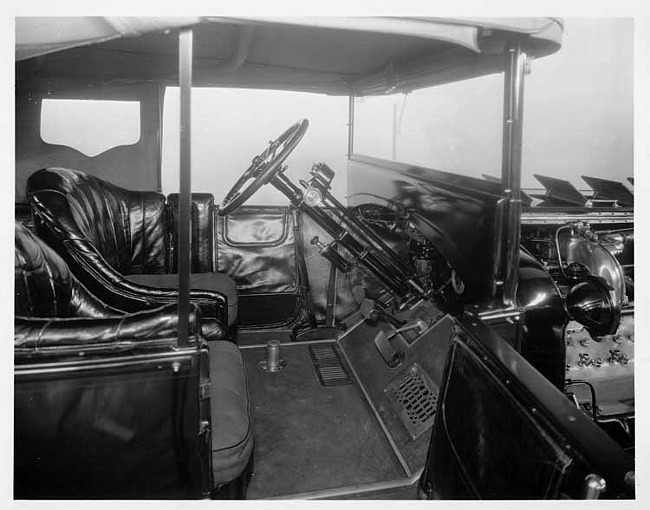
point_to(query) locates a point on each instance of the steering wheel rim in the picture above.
(264, 167)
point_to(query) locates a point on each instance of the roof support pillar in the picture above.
(185, 184)
(511, 169)
(350, 126)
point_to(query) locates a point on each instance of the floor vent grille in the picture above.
(329, 367)
(416, 399)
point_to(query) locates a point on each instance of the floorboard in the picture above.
(310, 437)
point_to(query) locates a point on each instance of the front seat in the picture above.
(109, 405)
(116, 242)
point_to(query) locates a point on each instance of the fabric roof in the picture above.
(333, 55)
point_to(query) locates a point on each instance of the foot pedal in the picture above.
(328, 365)
(392, 357)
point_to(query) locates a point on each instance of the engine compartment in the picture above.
(592, 263)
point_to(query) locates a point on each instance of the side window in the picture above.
(455, 127)
(90, 126)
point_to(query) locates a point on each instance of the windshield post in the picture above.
(185, 183)
(351, 125)
(511, 168)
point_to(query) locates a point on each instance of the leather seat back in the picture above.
(203, 247)
(107, 234)
(126, 227)
(45, 287)
(256, 247)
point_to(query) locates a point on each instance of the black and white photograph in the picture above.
(368, 256)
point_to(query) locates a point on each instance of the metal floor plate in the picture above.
(328, 365)
(415, 398)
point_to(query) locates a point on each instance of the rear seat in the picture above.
(116, 241)
(53, 309)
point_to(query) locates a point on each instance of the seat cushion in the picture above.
(200, 281)
(232, 431)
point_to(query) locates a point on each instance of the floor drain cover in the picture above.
(329, 367)
(416, 398)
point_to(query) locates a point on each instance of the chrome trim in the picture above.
(594, 486)
(498, 249)
(488, 316)
(559, 218)
(628, 308)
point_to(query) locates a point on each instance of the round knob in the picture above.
(317, 242)
(594, 486)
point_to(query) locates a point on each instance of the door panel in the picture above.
(503, 431)
(80, 432)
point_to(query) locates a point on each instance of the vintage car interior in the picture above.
(438, 336)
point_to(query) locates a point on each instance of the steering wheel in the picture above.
(264, 167)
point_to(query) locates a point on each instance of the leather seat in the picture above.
(203, 229)
(224, 283)
(232, 431)
(54, 310)
(108, 234)
(44, 285)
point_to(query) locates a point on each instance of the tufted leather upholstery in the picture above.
(105, 233)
